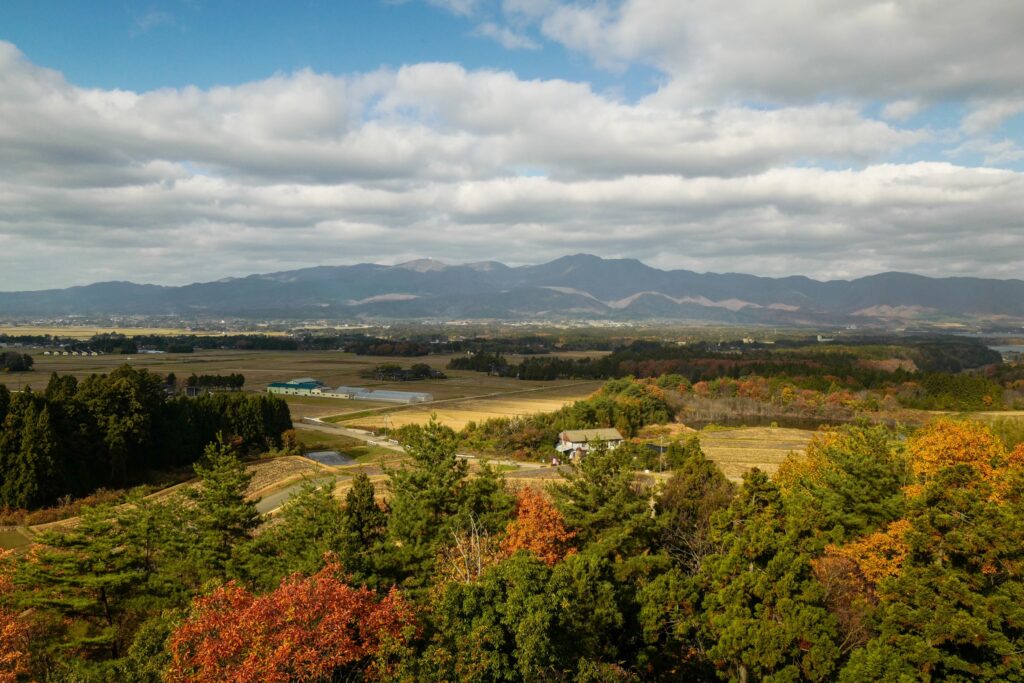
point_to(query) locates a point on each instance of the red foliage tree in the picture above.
(538, 528)
(305, 630)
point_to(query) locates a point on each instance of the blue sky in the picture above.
(143, 46)
(828, 139)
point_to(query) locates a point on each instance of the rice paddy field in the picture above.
(458, 413)
(739, 450)
(75, 332)
(464, 396)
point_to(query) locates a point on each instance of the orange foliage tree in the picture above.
(306, 630)
(947, 442)
(877, 555)
(14, 635)
(538, 528)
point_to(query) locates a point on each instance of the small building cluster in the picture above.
(71, 353)
(308, 386)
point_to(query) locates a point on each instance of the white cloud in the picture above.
(901, 110)
(987, 116)
(305, 168)
(904, 54)
(506, 37)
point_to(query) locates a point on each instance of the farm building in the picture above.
(303, 386)
(364, 394)
(578, 441)
(307, 386)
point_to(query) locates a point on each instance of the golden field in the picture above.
(738, 450)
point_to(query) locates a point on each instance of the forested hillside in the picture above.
(877, 555)
(108, 430)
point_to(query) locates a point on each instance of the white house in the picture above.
(579, 441)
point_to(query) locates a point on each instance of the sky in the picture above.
(176, 141)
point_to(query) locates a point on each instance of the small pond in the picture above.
(330, 458)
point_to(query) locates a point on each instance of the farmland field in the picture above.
(738, 450)
(87, 332)
(515, 401)
(334, 368)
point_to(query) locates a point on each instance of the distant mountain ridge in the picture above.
(572, 287)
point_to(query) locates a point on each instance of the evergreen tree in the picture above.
(425, 496)
(955, 611)
(31, 464)
(688, 500)
(849, 484)
(309, 526)
(5, 402)
(601, 499)
(84, 581)
(763, 608)
(363, 524)
(224, 516)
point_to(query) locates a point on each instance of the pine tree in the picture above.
(308, 528)
(425, 496)
(764, 609)
(363, 524)
(83, 581)
(688, 500)
(955, 611)
(224, 516)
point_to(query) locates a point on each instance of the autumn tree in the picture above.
(309, 629)
(946, 442)
(955, 608)
(538, 528)
(14, 632)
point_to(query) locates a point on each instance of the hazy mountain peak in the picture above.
(580, 285)
(424, 265)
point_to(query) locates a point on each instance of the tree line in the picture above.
(108, 430)
(12, 361)
(233, 381)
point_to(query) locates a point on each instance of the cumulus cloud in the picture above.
(300, 169)
(799, 49)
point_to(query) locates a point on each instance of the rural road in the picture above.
(273, 501)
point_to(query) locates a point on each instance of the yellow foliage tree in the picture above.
(946, 442)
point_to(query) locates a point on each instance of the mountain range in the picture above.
(572, 287)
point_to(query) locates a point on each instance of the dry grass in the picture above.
(275, 471)
(457, 414)
(737, 451)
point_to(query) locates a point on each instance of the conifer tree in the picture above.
(224, 516)
(955, 611)
(425, 496)
(84, 581)
(763, 607)
(308, 528)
